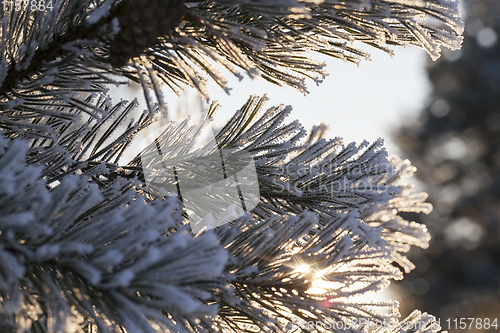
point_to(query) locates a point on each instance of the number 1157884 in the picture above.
(471, 323)
(24, 5)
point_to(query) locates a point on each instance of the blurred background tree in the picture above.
(455, 145)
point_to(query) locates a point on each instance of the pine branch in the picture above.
(285, 275)
(399, 233)
(53, 49)
(275, 39)
(71, 247)
(417, 322)
(81, 262)
(257, 38)
(81, 235)
(327, 240)
(318, 175)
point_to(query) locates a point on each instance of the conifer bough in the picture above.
(85, 247)
(273, 39)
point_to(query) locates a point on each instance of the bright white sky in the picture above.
(357, 103)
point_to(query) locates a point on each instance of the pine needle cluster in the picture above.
(86, 245)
